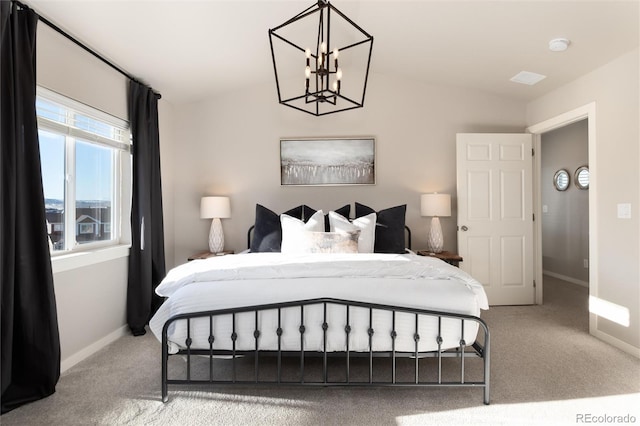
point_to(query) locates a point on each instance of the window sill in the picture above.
(67, 262)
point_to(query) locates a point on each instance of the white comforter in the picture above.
(404, 280)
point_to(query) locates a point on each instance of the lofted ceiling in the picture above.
(190, 50)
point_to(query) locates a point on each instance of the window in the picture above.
(84, 153)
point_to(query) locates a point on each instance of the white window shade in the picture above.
(73, 118)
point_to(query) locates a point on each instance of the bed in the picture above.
(338, 318)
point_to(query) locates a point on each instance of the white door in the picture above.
(495, 214)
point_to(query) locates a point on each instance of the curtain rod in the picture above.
(83, 46)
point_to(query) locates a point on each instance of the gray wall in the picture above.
(229, 145)
(565, 223)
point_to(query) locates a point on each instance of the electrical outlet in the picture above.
(585, 263)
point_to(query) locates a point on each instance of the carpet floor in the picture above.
(546, 369)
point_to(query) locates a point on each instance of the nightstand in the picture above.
(449, 257)
(207, 254)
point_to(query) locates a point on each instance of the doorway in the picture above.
(565, 203)
(579, 114)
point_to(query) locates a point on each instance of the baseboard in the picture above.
(566, 278)
(623, 346)
(85, 353)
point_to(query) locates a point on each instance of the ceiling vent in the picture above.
(528, 78)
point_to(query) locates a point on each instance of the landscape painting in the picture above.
(348, 161)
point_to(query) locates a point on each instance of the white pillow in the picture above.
(365, 224)
(293, 230)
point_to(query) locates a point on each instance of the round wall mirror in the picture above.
(561, 180)
(581, 177)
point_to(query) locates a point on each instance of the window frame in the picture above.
(121, 184)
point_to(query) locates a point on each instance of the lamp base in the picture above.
(435, 240)
(216, 236)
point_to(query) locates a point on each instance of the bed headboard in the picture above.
(407, 231)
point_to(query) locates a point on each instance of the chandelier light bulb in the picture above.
(320, 61)
(307, 53)
(335, 86)
(323, 47)
(339, 74)
(336, 52)
(307, 72)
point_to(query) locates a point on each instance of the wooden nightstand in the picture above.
(449, 257)
(207, 254)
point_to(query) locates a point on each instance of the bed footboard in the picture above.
(347, 358)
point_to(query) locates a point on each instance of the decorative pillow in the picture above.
(389, 227)
(294, 230)
(365, 224)
(329, 242)
(344, 211)
(307, 212)
(267, 233)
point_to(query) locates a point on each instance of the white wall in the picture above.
(616, 175)
(565, 223)
(91, 300)
(229, 145)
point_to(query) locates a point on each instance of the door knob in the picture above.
(464, 228)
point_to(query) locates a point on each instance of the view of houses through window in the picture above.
(80, 158)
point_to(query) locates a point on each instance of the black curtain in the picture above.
(30, 339)
(146, 260)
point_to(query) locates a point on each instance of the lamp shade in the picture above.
(215, 207)
(435, 205)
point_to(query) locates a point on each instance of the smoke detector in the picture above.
(559, 44)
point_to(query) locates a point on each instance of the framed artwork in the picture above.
(334, 161)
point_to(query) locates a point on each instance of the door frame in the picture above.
(587, 111)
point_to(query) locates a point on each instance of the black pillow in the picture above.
(307, 212)
(345, 211)
(389, 227)
(267, 231)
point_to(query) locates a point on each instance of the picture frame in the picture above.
(327, 161)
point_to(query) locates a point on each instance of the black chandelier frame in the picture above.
(322, 92)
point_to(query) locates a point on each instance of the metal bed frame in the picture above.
(480, 348)
(476, 349)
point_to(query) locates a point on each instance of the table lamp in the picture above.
(215, 208)
(435, 205)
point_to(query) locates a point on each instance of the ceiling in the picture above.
(190, 50)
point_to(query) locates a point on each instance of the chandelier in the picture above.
(321, 60)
